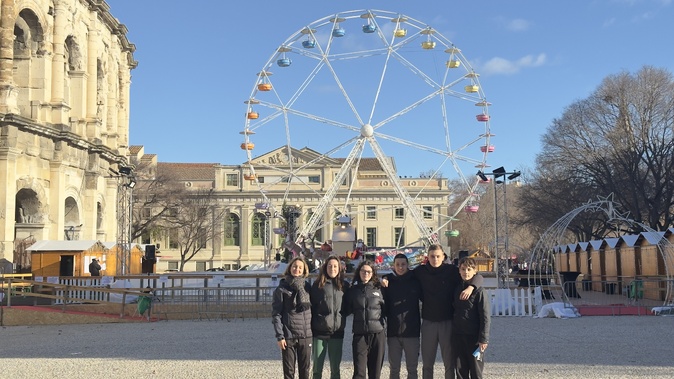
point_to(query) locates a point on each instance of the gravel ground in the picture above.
(586, 347)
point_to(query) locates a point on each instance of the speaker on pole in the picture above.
(150, 252)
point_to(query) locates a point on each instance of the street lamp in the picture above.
(501, 176)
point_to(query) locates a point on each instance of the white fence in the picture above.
(515, 301)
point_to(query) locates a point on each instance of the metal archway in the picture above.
(542, 257)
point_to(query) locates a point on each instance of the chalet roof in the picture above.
(596, 244)
(612, 242)
(630, 239)
(187, 171)
(49, 245)
(653, 237)
(583, 245)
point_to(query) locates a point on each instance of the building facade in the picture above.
(64, 119)
(249, 232)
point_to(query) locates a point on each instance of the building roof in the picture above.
(49, 245)
(368, 164)
(187, 171)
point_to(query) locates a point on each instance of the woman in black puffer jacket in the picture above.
(365, 301)
(327, 323)
(291, 317)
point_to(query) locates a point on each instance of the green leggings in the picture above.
(333, 347)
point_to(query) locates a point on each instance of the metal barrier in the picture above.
(625, 296)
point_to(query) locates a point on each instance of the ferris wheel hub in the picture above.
(367, 131)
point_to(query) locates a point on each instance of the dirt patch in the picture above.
(28, 315)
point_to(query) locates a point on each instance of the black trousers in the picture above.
(368, 355)
(463, 346)
(297, 350)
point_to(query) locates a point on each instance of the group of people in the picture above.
(309, 319)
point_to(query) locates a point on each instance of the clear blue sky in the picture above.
(197, 63)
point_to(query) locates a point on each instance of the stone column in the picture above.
(58, 54)
(93, 123)
(8, 91)
(245, 234)
(8, 156)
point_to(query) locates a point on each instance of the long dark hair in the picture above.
(374, 279)
(323, 275)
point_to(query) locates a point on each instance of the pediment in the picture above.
(280, 158)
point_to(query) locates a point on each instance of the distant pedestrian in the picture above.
(94, 268)
(291, 317)
(471, 323)
(364, 300)
(327, 322)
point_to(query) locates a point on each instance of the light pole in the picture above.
(501, 176)
(126, 183)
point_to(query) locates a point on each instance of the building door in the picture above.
(67, 267)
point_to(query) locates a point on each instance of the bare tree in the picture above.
(195, 223)
(618, 142)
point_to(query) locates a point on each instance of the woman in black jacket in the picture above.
(327, 323)
(291, 317)
(365, 301)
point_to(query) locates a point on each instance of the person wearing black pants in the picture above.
(365, 301)
(291, 317)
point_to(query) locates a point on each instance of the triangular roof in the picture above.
(612, 242)
(630, 239)
(596, 244)
(50, 245)
(653, 237)
(583, 245)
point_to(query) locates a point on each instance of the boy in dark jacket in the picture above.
(470, 332)
(403, 318)
(365, 301)
(291, 317)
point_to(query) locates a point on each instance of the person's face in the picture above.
(332, 268)
(297, 268)
(400, 266)
(436, 257)
(365, 273)
(466, 272)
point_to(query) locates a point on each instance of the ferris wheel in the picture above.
(363, 86)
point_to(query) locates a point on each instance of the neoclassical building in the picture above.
(64, 119)
(247, 237)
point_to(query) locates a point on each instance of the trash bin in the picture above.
(610, 288)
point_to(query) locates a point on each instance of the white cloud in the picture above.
(518, 25)
(502, 66)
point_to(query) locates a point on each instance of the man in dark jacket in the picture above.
(403, 318)
(438, 283)
(94, 268)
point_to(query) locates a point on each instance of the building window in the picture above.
(146, 213)
(227, 266)
(235, 266)
(371, 237)
(318, 234)
(399, 237)
(201, 266)
(428, 211)
(314, 179)
(203, 238)
(232, 228)
(233, 180)
(173, 239)
(259, 230)
(172, 265)
(400, 213)
(343, 181)
(145, 238)
(260, 179)
(371, 213)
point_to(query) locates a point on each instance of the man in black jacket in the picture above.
(438, 283)
(94, 268)
(402, 298)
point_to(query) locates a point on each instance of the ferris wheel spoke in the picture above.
(413, 144)
(405, 110)
(331, 192)
(407, 201)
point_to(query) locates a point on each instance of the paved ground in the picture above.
(586, 347)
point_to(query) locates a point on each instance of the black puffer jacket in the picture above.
(472, 316)
(366, 303)
(402, 298)
(437, 286)
(290, 319)
(326, 305)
